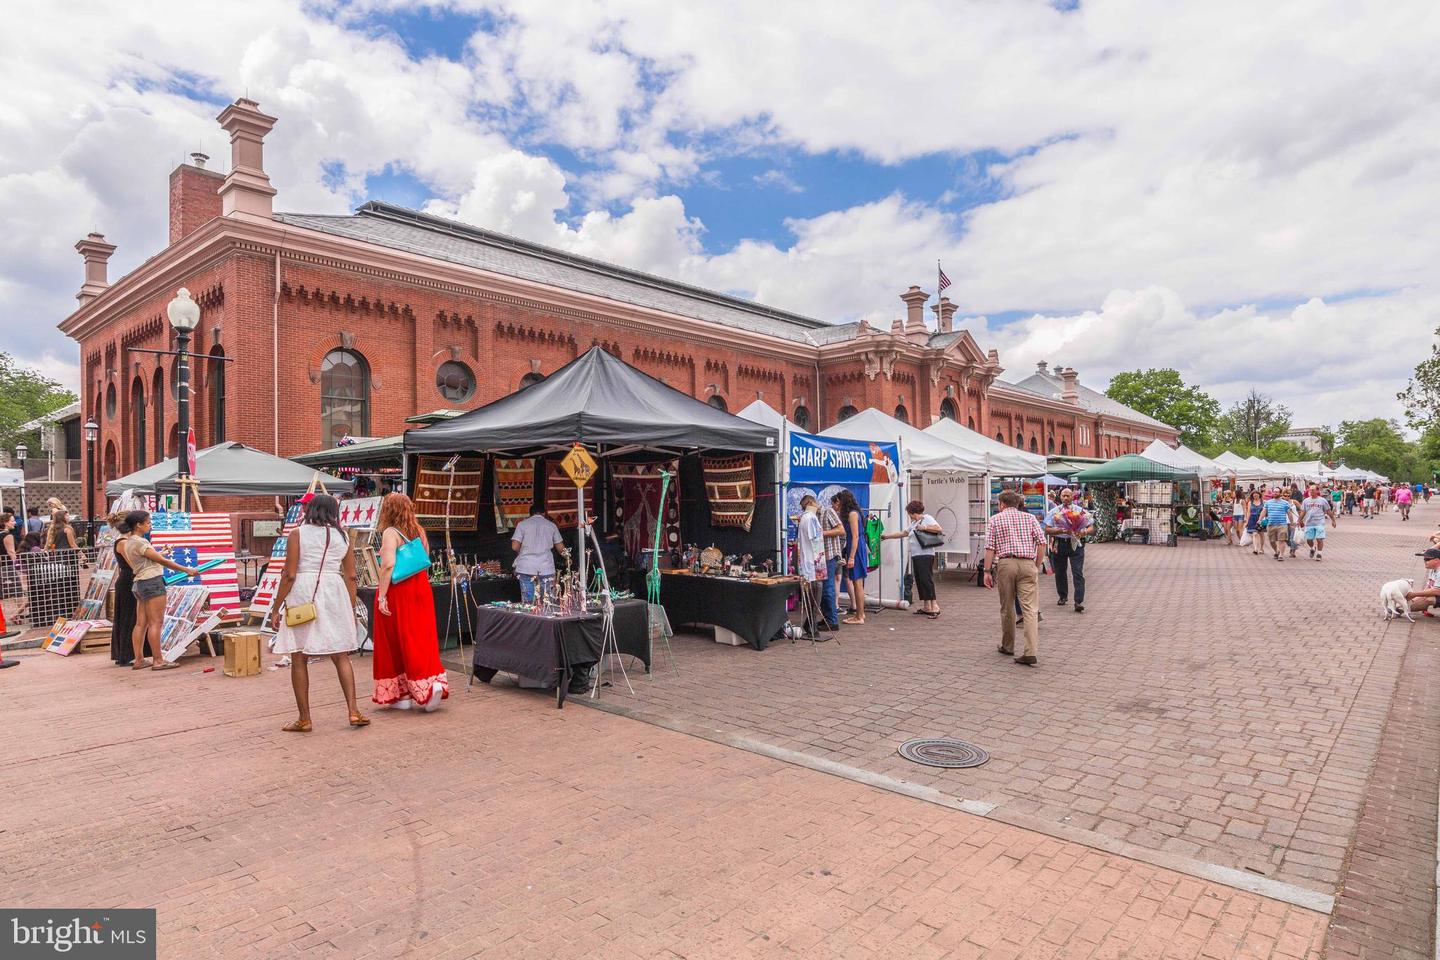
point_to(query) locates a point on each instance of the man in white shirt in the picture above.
(534, 541)
(810, 559)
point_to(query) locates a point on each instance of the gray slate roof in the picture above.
(401, 228)
(1051, 387)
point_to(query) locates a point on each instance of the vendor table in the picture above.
(453, 626)
(753, 611)
(550, 649)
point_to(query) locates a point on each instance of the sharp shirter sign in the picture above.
(77, 934)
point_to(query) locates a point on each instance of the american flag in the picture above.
(944, 280)
(195, 538)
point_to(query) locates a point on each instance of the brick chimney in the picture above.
(945, 315)
(914, 308)
(194, 196)
(1070, 391)
(247, 190)
(97, 256)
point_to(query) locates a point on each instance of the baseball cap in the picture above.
(1432, 554)
(305, 499)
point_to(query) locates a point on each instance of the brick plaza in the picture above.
(1222, 757)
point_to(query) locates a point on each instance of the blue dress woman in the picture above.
(856, 560)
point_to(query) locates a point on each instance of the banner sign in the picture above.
(850, 463)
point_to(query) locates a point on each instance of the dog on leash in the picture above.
(1392, 599)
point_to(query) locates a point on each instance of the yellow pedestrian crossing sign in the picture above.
(579, 465)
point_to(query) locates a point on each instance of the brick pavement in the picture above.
(501, 827)
(1210, 705)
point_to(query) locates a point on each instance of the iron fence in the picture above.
(50, 584)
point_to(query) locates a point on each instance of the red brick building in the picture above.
(349, 324)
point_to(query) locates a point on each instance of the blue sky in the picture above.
(1099, 179)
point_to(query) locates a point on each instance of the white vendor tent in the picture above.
(1343, 472)
(762, 413)
(1196, 464)
(1215, 468)
(1003, 460)
(942, 470)
(1306, 469)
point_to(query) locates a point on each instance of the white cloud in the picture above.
(1164, 160)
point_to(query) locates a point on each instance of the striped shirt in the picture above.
(834, 546)
(1014, 533)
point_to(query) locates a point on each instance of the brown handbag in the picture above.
(305, 612)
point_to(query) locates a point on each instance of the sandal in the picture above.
(853, 620)
(359, 720)
(164, 666)
(297, 726)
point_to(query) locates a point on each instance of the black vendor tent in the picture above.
(594, 399)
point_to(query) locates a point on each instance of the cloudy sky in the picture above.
(1244, 191)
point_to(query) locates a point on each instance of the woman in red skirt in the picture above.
(407, 650)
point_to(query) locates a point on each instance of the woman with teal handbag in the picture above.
(407, 664)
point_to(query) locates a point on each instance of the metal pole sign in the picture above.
(580, 467)
(190, 451)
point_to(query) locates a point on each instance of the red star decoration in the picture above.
(370, 513)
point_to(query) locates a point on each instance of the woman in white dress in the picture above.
(319, 569)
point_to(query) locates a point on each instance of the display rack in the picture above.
(1152, 510)
(185, 621)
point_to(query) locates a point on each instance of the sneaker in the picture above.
(1062, 601)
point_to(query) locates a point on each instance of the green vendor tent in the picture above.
(1131, 466)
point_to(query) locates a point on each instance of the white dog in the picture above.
(1392, 599)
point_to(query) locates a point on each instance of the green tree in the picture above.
(1421, 395)
(24, 395)
(1252, 424)
(1285, 451)
(1378, 445)
(1163, 395)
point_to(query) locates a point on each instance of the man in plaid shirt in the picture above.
(1015, 551)
(834, 532)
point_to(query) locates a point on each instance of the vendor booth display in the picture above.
(447, 493)
(1150, 490)
(633, 436)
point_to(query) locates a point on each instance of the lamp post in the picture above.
(21, 452)
(184, 315)
(92, 433)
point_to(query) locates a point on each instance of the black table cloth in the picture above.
(552, 649)
(454, 624)
(754, 611)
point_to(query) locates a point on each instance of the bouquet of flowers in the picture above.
(1072, 520)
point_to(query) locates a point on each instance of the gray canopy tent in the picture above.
(229, 469)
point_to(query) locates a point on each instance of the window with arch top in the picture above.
(1034, 446)
(947, 409)
(901, 413)
(344, 396)
(846, 412)
(801, 416)
(718, 402)
(1020, 441)
(1064, 451)
(530, 379)
(137, 421)
(216, 376)
(972, 423)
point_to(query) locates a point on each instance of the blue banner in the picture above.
(851, 463)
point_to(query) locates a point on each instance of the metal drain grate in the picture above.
(943, 752)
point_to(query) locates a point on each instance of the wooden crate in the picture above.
(242, 653)
(96, 638)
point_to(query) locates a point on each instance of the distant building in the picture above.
(346, 325)
(1307, 437)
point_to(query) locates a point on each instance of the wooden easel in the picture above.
(192, 486)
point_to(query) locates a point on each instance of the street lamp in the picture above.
(184, 315)
(92, 433)
(21, 452)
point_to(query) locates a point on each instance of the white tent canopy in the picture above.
(1004, 460)
(1306, 469)
(1183, 459)
(10, 477)
(761, 412)
(920, 452)
(1200, 460)
(1243, 468)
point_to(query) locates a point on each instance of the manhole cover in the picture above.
(943, 752)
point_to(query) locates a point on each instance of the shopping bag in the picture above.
(1245, 538)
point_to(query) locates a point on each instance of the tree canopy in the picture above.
(25, 394)
(1162, 394)
(1378, 445)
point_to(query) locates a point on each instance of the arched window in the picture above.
(901, 413)
(216, 377)
(157, 426)
(455, 381)
(971, 423)
(999, 437)
(846, 412)
(172, 446)
(801, 416)
(344, 396)
(112, 461)
(1050, 444)
(1064, 451)
(530, 379)
(1020, 440)
(1034, 446)
(947, 409)
(110, 402)
(718, 402)
(137, 421)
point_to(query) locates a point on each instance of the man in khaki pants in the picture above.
(1015, 550)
